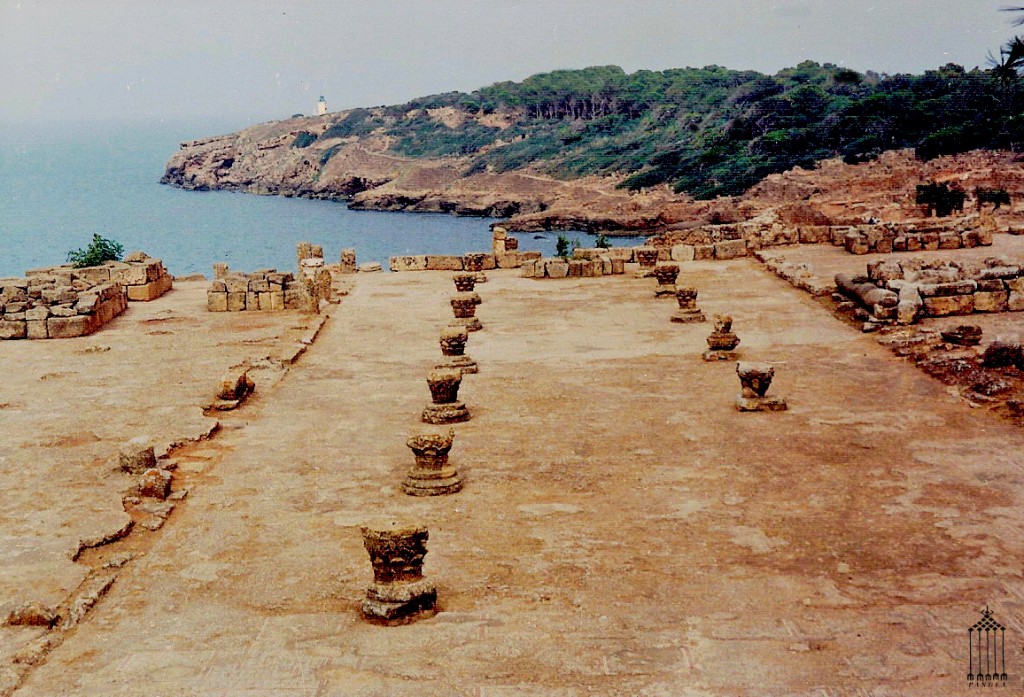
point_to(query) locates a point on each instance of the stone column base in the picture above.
(689, 316)
(712, 356)
(470, 324)
(399, 603)
(450, 413)
(463, 363)
(761, 403)
(432, 482)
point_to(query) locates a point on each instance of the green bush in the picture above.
(98, 251)
(303, 139)
(564, 247)
(602, 242)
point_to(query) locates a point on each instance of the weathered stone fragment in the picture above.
(155, 483)
(453, 347)
(722, 342)
(755, 379)
(445, 406)
(431, 475)
(666, 275)
(688, 311)
(33, 615)
(399, 592)
(136, 458)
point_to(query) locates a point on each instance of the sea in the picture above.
(61, 183)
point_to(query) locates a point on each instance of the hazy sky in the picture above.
(257, 60)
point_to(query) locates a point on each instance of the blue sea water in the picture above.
(61, 183)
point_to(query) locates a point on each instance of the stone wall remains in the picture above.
(907, 290)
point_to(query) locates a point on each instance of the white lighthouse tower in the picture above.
(321, 106)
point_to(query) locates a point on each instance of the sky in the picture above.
(248, 61)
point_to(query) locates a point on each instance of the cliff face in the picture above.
(264, 159)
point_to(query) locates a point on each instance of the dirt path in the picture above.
(623, 529)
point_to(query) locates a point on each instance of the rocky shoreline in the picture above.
(272, 159)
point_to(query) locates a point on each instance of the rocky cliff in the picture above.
(268, 159)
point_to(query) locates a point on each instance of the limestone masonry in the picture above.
(60, 302)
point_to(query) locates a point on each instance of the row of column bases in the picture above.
(755, 378)
(399, 593)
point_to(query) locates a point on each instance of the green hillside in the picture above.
(705, 131)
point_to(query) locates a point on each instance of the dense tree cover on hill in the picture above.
(706, 131)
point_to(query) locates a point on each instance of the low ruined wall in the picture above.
(917, 288)
(53, 306)
(260, 291)
(918, 235)
(556, 267)
(143, 277)
(732, 240)
(267, 290)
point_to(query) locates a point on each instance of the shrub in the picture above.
(564, 247)
(602, 242)
(303, 139)
(98, 251)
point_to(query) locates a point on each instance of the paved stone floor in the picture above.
(623, 529)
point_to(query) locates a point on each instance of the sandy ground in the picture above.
(66, 408)
(623, 529)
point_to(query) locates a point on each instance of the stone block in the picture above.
(682, 252)
(276, 300)
(70, 327)
(731, 249)
(618, 266)
(899, 244)
(703, 251)
(931, 290)
(61, 311)
(155, 483)
(40, 312)
(216, 301)
(984, 237)
(130, 275)
(991, 301)
(913, 243)
(235, 301)
(259, 285)
(556, 269)
(606, 266)
(36, 329)
(220, 270)
(1015, 284)
(623, 253)
(508, 260)
(150, 291)
(409, 263)
(252, 302)
(528, 269)
(576, 268)
(1015, 303)
(218, 287)
(883, 246)
(929, 241)
(264, 301)
(813, 234)
(13, 329)
(444, 263)
(949, 240)
(136, 458)
(944, 306)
